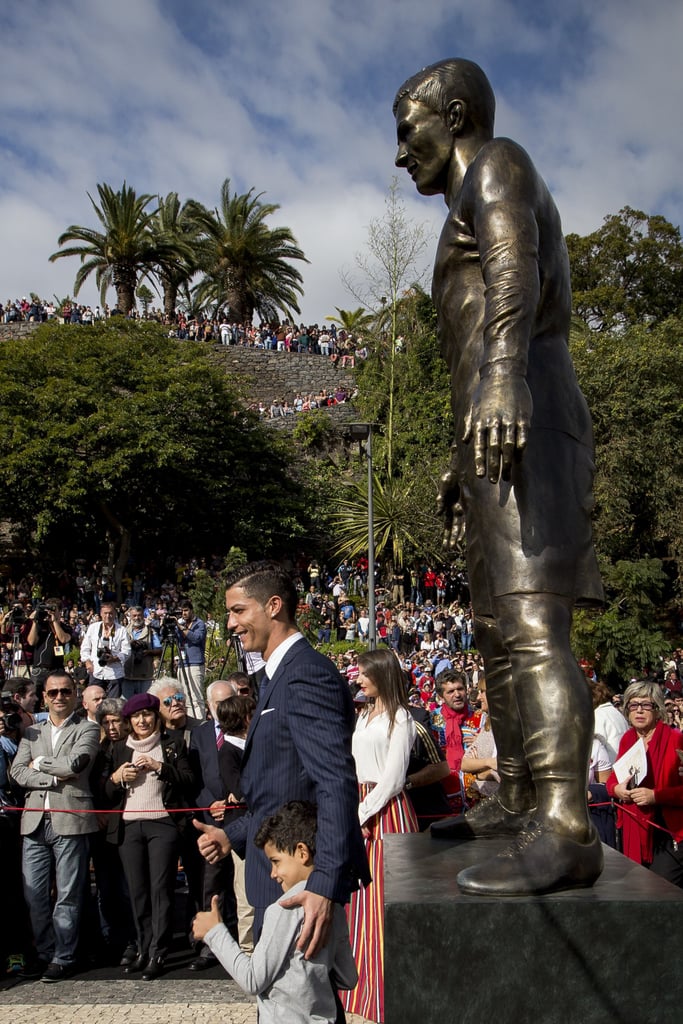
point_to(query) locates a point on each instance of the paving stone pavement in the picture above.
(129, 1002)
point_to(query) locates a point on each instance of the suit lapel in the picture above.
(267, 688)
(46, 739)
(62, 735)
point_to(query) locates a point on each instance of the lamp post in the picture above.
(363, 432)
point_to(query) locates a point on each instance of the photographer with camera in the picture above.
(192, 633)
(104, 651)
(145, 646)
(43, 638)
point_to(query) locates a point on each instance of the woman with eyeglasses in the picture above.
(651, 813)
(148, 774)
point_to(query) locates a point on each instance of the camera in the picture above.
(103, 653)
(41, 613)
(17, 615)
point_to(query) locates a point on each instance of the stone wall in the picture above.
(259, 375)
(8, 332)
(270, 375)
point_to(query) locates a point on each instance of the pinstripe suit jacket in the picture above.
(204, 760)
(299, 748)
(70, 765)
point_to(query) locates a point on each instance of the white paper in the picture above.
(632, 764)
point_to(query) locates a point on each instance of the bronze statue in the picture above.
(520, 477)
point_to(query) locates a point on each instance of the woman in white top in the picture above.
(384, 735)
(610, 724)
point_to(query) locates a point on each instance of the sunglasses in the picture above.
(58, 693)
(179, 698)
(640, 705)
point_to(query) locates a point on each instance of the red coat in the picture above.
(662, 776)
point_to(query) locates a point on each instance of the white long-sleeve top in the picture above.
(382, 759)
(610, 726)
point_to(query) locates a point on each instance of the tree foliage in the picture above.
(627, 273)
(624, 639)
(124, 251)
(245, 264)
(391, 264)
(633, 382)
(117, 434)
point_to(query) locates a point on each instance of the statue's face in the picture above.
(425, 146)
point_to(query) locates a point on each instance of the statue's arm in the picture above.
(503, 205)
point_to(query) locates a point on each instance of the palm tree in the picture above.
(402, 525)
(244, 262)
(124, 251)
(173, 226)
(353, 321)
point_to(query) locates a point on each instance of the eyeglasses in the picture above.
(179, 698)
(58, 693)
(640, 705)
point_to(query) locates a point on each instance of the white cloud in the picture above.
(295, 99)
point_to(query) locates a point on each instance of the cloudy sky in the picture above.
(293, 97)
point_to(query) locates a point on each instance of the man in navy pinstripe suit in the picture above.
(298, 748)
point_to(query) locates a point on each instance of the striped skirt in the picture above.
(365, 912)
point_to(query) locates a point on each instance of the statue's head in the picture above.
(455, 79)
(442, 104)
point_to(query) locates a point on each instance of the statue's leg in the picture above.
(559, 849)
(508, 810)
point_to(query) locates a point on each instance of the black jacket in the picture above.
(176, 775)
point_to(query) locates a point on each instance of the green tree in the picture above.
(627, 273)
(245, 264)
(633, 382)
(175, 234)
(353, 321)
(624, 641)
(392, 262)
(145, 296)
(123, 251)
(127, 439)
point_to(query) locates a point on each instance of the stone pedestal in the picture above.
(610, 955)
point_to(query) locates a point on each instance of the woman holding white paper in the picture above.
(651, 812)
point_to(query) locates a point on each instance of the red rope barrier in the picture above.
(121, 810)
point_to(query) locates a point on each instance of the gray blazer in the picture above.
(63, 774)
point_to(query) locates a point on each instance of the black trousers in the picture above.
(149, 854)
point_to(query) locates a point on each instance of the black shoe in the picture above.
(203, 963)
(138, 964)
(34, 969)
(129, 956)
(58, 972)
(154, 969)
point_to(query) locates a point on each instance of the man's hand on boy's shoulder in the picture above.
(315, 930)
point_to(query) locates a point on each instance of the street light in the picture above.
(363, 432)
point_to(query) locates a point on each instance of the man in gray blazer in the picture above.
(52, 765)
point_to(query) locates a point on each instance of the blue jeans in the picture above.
(55, 930)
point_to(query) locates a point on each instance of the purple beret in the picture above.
(139, 702)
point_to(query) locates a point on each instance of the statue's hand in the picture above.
(448, 507)
(499, 422)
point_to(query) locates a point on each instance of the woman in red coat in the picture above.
(658, 798)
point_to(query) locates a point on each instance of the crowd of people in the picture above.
(103, 732)
(341, 347)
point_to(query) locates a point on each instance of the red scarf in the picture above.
(454, 721)
(638, 838)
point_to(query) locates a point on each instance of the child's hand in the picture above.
(208, 919)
